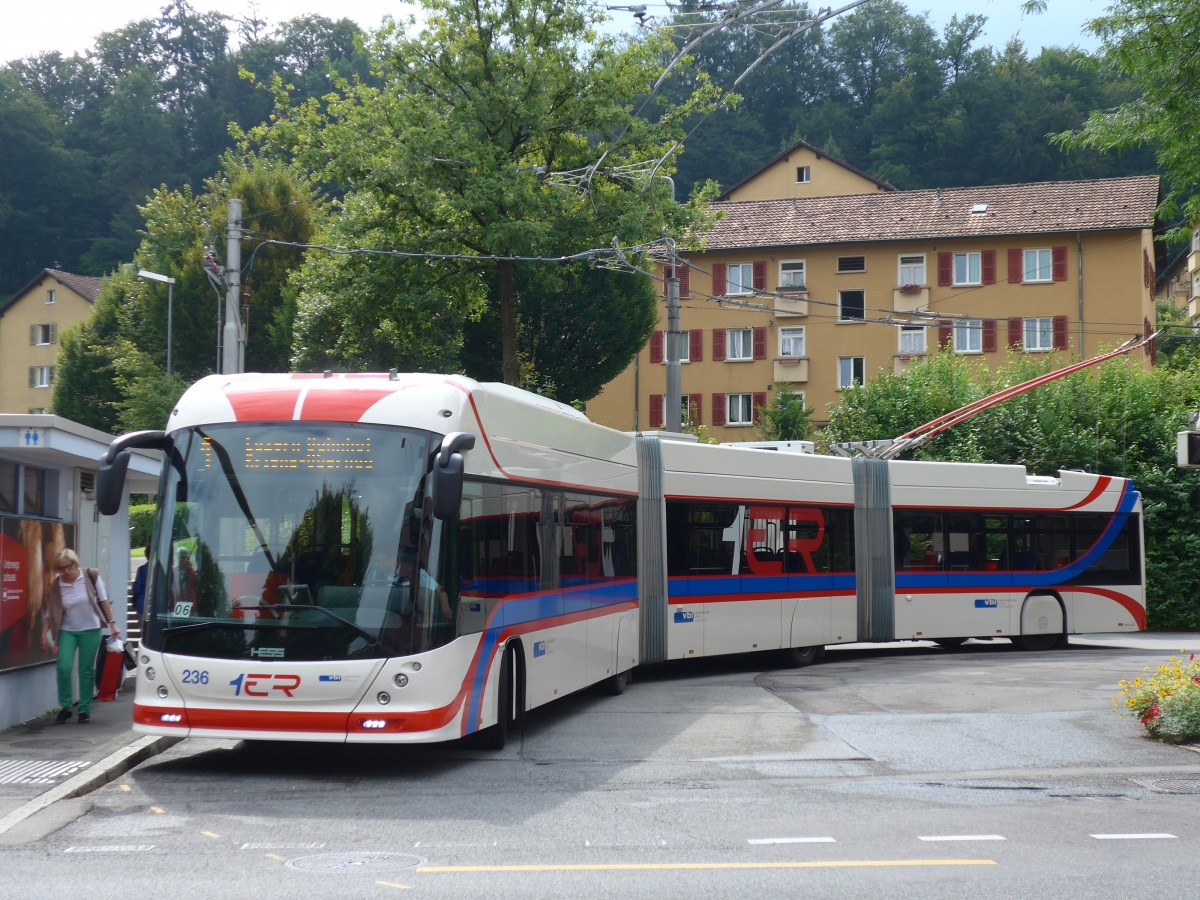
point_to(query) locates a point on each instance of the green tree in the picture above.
(466, 148)
(785, 418)
(1154, 43)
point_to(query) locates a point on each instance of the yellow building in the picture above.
(839, 278)
(30, 323)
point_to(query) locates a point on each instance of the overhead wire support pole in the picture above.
(234, 343)
(671, 418)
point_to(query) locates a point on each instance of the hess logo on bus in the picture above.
(264, 685)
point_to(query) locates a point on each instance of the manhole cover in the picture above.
(47, 744)
(1170, 785)
(355, 862)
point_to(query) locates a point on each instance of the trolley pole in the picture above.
(671, 415)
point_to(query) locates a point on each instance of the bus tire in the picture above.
(496, 736)
(614, 685)
(799, 657)
(1037, 642)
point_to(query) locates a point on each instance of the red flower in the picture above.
(1151, 715)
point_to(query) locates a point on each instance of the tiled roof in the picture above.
(1005, 209)
(86, 286)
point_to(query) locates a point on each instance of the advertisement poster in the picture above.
(27, 551)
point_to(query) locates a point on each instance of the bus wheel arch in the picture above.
(1043, 622)
(509, 697)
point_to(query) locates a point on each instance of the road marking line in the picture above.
(962, 837)
(1134, 837)
(402, 887)
(210, 834)
(157, 810)
(120, 848)
(276, 856)
(665, 867)
(792, 840)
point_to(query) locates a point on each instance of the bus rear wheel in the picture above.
(799, 657)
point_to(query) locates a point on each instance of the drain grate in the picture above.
(38, 771)
(48, 744)
(369, 861)
(786, 690)
(1170, 785)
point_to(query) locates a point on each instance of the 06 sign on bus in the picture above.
(263, 685)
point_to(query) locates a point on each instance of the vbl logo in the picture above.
(539, 648)
(263, 685)
(684, 615)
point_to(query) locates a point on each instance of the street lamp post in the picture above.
(170, 283)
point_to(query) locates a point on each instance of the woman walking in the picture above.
(77, 610)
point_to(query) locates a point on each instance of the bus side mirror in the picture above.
(1187, 449)
(447, 482)
(111, 469)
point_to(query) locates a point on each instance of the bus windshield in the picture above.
(297, 541)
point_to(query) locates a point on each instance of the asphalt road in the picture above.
(908, 771)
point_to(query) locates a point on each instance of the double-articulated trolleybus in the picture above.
(405, 558)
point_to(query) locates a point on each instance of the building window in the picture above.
(852, 264)
(912, 339)
(1038, 334)
(1196, 285)
(51, 295)
(8, 487)
(803, 174)
(739, 343)
(851, 371)
(1037, 266)
(1196, 240)
(740, 409)
(968, 336)
(37, 410)
(35, 491)
(740, 278)
(968, 268)
(43, 335)
(685, 346)
(41, 376)
(852, 305)
(791, 275)
(791, 341)
(912, 270)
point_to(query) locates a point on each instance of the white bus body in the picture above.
(574, 554)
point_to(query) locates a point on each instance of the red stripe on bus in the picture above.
(1100, 487)
(262, 405)
(347, 405)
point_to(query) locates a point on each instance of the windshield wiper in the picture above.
(372, 639)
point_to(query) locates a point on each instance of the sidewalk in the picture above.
(42, 762)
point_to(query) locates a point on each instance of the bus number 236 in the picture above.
(262, 685)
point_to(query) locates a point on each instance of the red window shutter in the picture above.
(656, 347)
(945, 269)
(760, 343)
(1148, 275)
(760, 399)
(696, 345)
(945, 332)
(718, 409)
(719, 280)
(1016, 328)
(1058, 263)
(718, 345)
(656, 410)
(760, 275)
(1152, 347)
(989, 336)
(684, 273)
(987, 263)
(1060, 332)
(695, 404)
(1016, 262)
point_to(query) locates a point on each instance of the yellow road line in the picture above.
(210, 834)
(652, 867)
(403, 887)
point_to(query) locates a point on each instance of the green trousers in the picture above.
(87, 643)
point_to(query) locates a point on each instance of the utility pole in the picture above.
(233, 357)
(671, 415)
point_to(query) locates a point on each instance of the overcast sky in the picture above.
(71, 26)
